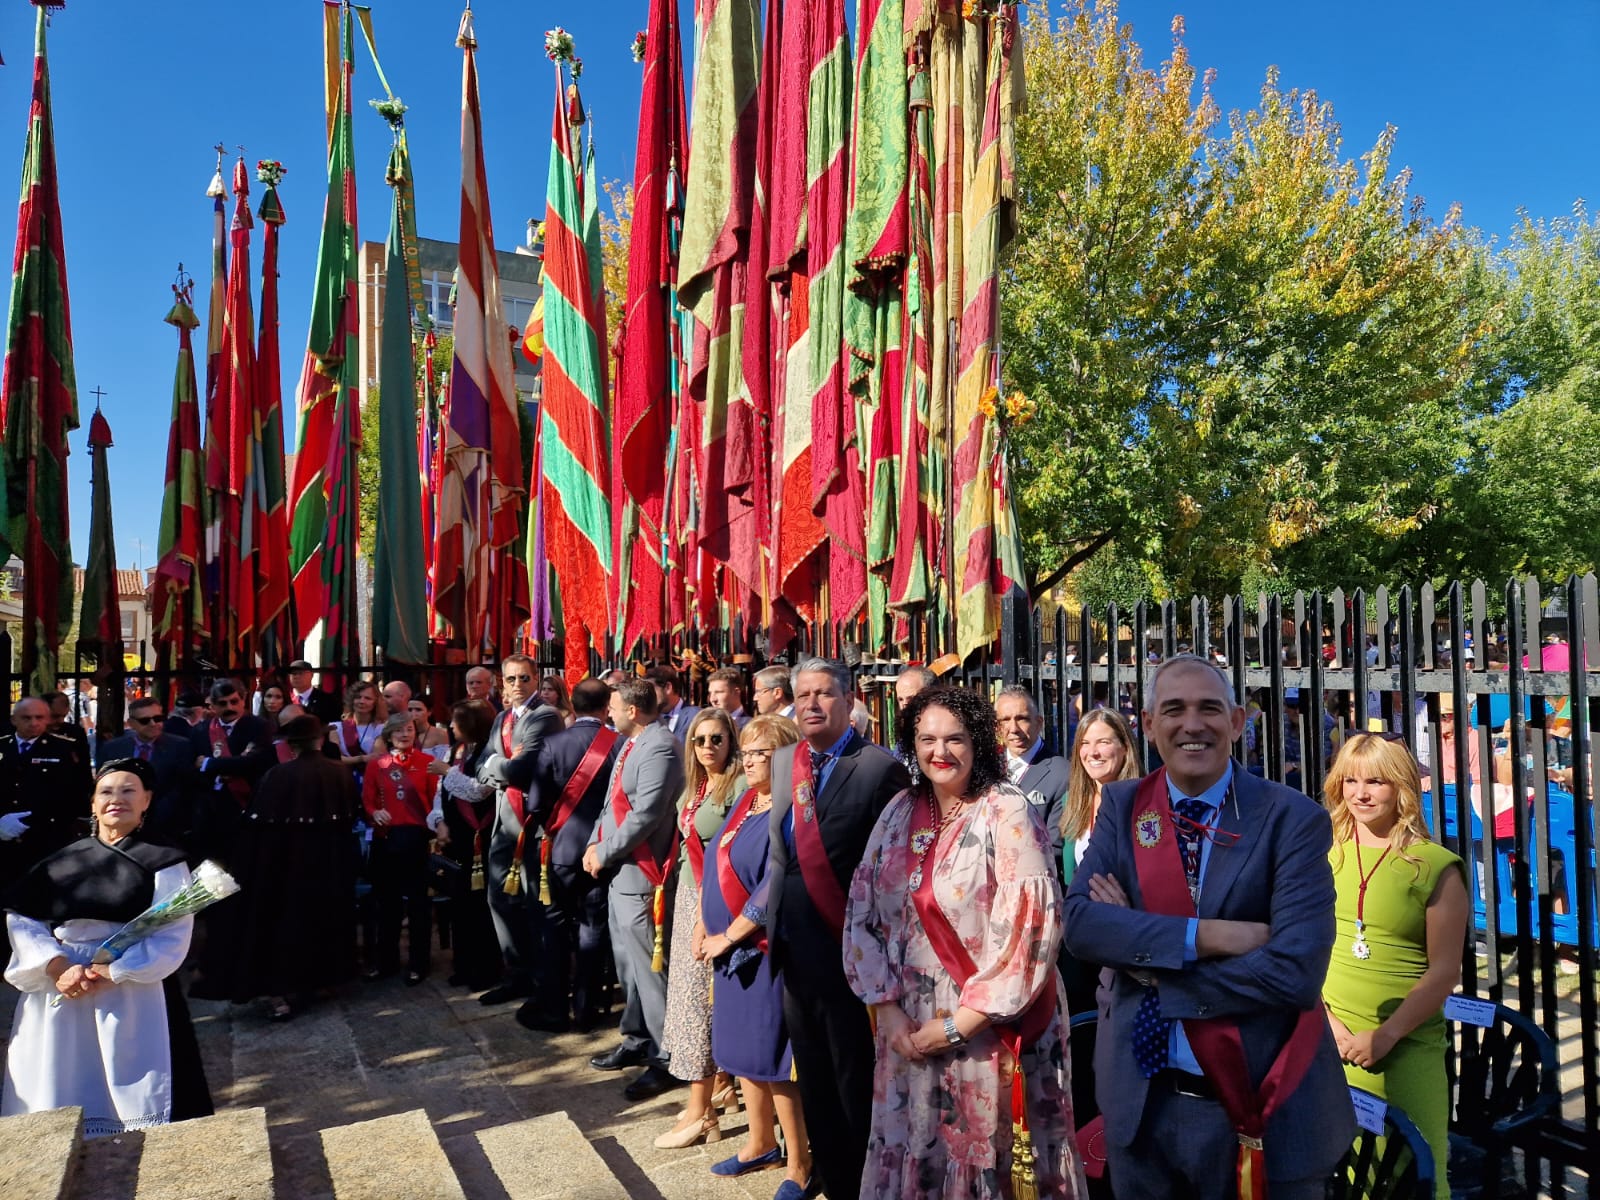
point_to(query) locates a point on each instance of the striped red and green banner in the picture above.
(178, 599)
(39, 396)
(573, 428)
(269, 511)
(324, 496)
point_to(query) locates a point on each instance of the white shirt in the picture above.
(1017, 765)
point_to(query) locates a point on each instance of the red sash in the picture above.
(281, 748)
(517, 798)
(237, 787)
(350, 738)
(1216, 1042)
(734, 894)
(827, 895)
(692, 845)
(655, 872)
(588, 767)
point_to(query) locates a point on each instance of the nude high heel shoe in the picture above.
(707, 1129)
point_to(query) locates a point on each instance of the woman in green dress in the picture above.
(1402, 920)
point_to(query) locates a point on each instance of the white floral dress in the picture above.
(942, 1127)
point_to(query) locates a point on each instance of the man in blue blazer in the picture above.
(1254, 857)
(171, 813)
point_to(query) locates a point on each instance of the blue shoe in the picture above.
(738, 1166)
(790, 1190)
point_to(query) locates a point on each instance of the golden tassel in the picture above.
(513, 884)
(477, 873)
(1024, 1181)
(544, 871)
(658, 955)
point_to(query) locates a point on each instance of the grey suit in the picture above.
(650, 773)
(516, 918)
(1269, 864)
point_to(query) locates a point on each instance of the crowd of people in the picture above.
(874, 949)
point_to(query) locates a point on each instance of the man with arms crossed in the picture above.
(1209, 892)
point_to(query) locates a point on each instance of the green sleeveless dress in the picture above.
(1363, 992)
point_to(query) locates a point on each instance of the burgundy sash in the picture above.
(827, 896)
(237, 787)
(734, 894)
(1216, 1041)
(350, 738)
(281, 748)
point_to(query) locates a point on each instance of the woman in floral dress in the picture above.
(963, 849)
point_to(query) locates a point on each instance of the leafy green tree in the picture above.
(1245, 350)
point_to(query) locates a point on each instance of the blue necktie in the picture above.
(1152, 1033)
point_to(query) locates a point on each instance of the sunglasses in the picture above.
(145, 720)
(518, 678)
(709, 739)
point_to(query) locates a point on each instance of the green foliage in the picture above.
(367, 475)
(1251, 355)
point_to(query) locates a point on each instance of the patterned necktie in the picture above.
(818, 761)
(1152, 1033)
(142, 751)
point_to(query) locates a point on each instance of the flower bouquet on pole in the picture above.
(209, 885)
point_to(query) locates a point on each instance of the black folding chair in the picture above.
(1504, 1086)
(1396, 1164)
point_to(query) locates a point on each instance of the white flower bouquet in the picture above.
(209, 885)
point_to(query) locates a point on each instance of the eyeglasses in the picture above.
(756, 754)
(709, 739)
(145, 720)
(517, 678)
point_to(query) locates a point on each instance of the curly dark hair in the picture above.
(977, 717)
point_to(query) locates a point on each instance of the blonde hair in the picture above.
(781, 730)
(719, 786)
(1078, 811)
(1372, 756)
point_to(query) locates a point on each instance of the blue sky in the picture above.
(1493, 104)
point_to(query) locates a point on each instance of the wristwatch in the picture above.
(951, 1033)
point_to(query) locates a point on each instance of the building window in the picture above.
(436, 288)
(518, 310)
(129, 632)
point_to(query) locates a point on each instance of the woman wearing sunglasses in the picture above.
(713, 780)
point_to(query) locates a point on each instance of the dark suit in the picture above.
(516, 918)
(217, 799)
(53, 782)
(171, 813)
(828, 1026)
(77, 734)
(1044, 783)
(323, 705)
(576, 918)
(1269, 863)
(677, 721)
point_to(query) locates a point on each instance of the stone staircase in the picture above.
(230, 1156)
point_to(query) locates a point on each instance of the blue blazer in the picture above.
(1276, 872)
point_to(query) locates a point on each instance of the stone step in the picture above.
(548, 1158)
(39, 1153)
(389, 1157)
(221, 1157)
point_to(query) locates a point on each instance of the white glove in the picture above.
(12, 826)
